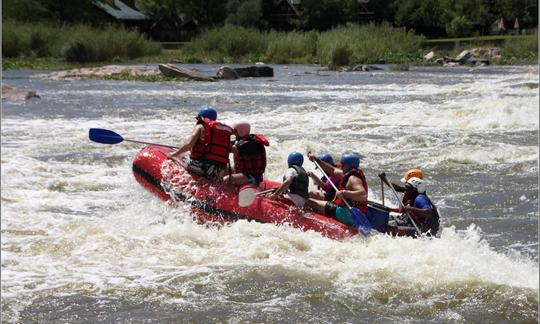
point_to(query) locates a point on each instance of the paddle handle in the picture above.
(148, 143)
(333, 185)
(265, 191)
(383, 178)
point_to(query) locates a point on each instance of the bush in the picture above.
(341, 56)
(75, 43)
(459, 26)
(292, 47)
(77, 51)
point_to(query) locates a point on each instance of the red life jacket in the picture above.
(215, 144)
(252, 163)
(362, 205)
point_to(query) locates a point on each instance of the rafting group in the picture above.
(342, 189)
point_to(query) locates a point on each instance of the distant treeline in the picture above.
(427, 17)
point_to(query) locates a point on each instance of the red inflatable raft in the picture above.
(218, 202)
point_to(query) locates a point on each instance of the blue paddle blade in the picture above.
(360, 221)
(104, 136)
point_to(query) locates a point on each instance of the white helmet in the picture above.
(417, 184)
(243, 128)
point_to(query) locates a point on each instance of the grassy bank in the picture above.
(52, 44)
(45, 46)
(340, 46)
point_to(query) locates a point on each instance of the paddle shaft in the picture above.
(401, 203)
(141, 142)
(265, 191)
(333, 185)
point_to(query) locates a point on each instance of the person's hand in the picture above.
(312, 157)
(340, 194)
(405, 209)
(271, 196)
(310, 174)
(382, 175)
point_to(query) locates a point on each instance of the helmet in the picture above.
(295, 158)
(349, 161)
(415, 172)
(208, 112)
(326, 157)
(418, 184)
(243, 128)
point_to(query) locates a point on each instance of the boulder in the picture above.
(364, 68)
(255, 71)
(176, 71)
(12, 94)
(227, 73)
(429, 56)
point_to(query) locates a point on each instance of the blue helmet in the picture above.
(349, 161)
(295, 158)
(326, 157)
(208, 112)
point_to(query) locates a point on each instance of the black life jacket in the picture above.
(300, 184)
(252, 163)
(427, 224)
(215, 145)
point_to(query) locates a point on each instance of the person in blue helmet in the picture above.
(209, 144)
(295, 181)
(328, 190)
(353, 187)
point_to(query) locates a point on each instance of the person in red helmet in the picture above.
(209, 145)
(249, 156)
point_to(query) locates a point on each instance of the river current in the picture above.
(83, 242)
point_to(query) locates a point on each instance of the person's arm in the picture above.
(398, 187)
(329, 169)
(354, 190)
(316, 179)
(420, 212)
(188, 145)
(281, 189)
(234, 149)
(421, 208)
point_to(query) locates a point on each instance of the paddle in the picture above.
(385, 180)
(248, 194)
(359, 219)
(105, 136)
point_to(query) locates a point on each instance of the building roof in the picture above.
(120, 10)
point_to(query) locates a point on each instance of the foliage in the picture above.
(292, 47)
(76, 43)
(244, 13)
(459, 26)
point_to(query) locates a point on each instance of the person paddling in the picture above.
(209, 145)
(400, 187)
(328, 190)
(423, 212)
(249, 156)
(353, 187)
(295, 181)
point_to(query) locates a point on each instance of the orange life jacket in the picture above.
(362, 205)
(214, 146)
(252, 163)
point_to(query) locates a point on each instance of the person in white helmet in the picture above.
(421, 209)
(249, 156)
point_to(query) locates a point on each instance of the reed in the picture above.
(74, 43)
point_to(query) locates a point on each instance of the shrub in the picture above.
(78, 51)
(341, 56)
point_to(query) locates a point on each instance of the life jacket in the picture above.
(353, 203)
(252, 163)
(300, 184)
(214, 146)
(428, 224)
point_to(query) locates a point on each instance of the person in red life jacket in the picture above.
(295, 181)
(353, 187)
(329, 192)
(249, 156)
(209, 145)
(420, 208)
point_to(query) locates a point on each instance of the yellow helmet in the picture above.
(416, 172)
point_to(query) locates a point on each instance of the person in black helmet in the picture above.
(209, 145)
(295, 181)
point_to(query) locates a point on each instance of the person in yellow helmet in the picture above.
(415, 172)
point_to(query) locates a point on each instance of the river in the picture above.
(83, 242)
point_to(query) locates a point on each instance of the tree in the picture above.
(245, 13)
